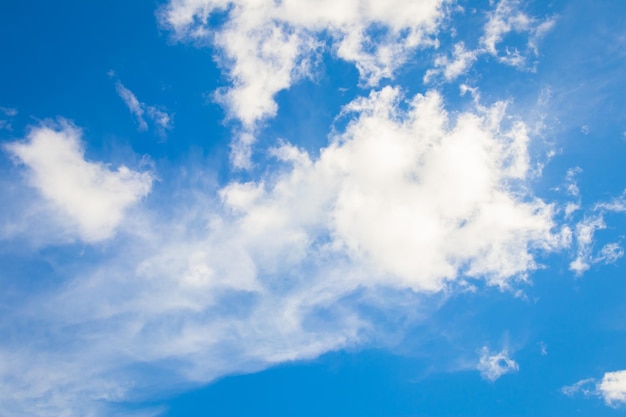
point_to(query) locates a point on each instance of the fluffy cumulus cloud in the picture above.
(611, 388)
(89, 196)
(406, 199)
(267, 46)
(418, 196)
(492, 365)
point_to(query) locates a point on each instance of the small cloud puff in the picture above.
(91, 195)
(493, 365)
(462, 59)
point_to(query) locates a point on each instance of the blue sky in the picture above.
(312, 208)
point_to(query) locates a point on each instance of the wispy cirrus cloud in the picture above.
(584, 236)
(506, 18)
(161, 119)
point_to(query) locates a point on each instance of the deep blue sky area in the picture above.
(240, 208)
(59, 62)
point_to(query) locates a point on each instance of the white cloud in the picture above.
(399, 203)
(570, 208)
(586, 387)
(570, 181)
(610, 253)
(161, 119)
(268, 46)
(451, 69)
(612, 388)
(135, 107)
(584, 234)
(409, 201)
(616, 205)
(90, 194)
(506, 18)
(493, 365)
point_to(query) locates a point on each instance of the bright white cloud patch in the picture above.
(267, 46)
(493, 365)
(90, 194)
(418, 197)
(613, 387)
